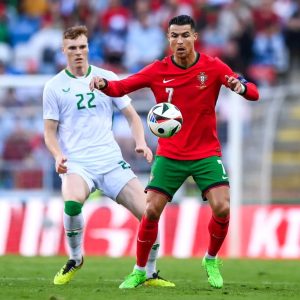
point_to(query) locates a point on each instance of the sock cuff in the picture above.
(149, 224)
(221, 220)
(145, 219)
(72, 208)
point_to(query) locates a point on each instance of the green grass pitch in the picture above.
(31, 278)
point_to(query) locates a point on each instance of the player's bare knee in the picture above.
(152, 213)
(222, 209)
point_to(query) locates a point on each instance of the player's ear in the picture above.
(195, 35)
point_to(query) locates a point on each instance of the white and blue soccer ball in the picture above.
(164, 119)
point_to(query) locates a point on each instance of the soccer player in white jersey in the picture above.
(78, 133)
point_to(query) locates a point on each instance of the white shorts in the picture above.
(110, 183)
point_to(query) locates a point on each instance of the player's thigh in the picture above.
(74, 187)
(115, 180)
(167, 175)
(133, 197)
(209, 173)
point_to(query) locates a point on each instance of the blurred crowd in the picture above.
(253, 36)
(257, 38)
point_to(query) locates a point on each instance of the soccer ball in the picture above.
(164, 120)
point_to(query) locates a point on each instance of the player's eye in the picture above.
(82, 47)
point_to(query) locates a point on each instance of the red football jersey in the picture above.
(195, 92)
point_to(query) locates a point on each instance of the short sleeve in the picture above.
(50, 105)
(119, 102)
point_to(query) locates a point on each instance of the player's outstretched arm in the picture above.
(138, 133)
(50, 129)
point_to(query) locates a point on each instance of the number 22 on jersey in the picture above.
(85, 100)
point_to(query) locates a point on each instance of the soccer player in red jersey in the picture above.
(192, 82)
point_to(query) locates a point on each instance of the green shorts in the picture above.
(167, 175)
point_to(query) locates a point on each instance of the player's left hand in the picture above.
(146, 151)
(234, 84)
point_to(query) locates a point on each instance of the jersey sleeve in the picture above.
(119, 102)
(50, 105)
(118, 88)
(251, 91)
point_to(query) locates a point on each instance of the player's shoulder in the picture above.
(151, 68)
(215, 60)
(104, 73)
(209, 59)
(55, 80)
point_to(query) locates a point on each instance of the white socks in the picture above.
(74, 228)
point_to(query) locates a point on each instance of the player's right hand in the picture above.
(60, 165)
(146, 151)
(97, 83)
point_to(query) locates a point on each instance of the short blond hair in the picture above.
(72, 33)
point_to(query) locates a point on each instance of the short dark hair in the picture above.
(72, 33)
(182, 20)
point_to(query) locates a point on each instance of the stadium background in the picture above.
(261, 141)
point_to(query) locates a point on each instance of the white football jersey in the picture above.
(85, 118)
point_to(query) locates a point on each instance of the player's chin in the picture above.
(181, 53)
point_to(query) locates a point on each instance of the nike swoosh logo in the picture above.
(166, 81)
(225, 177)
(142, 241)
(66, 90)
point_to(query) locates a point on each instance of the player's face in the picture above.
(182, 39)
(76, 51)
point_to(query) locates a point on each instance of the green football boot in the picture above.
(134, 279)
(211, 267)
(67, 272)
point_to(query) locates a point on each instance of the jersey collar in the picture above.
(181, 67)
(86, 75)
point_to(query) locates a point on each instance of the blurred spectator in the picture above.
(236, 24)
(17, 146)
(170, 9)
(36, 9)
(4, 37)
(114, 21)
(145, 40)
(10, 99)
(270, 52)
(212, 39)
(264, 15)
(292, 33)
(23, 26)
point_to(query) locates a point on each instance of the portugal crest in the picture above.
(202, 78)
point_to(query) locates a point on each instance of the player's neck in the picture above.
(186, 62)
(78, 71)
